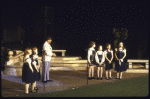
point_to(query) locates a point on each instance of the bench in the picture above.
(63, 51)
(130, 61)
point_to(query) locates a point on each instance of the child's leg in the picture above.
(92, 71)
(26, 87)
(89, 71)
(117, 74)
(106, 73)
(33, 85)
(98, 69)
(101, 69)
(120, 74)
(110, 73)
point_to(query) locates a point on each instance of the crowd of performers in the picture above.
(97, 58)
(31, 66)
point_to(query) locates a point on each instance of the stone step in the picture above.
(68, 65)
(69, 61)
(63, 58)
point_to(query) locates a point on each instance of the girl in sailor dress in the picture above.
(100, 58)
(36, 66)
(28, 71)
(120, 65)
(108, 60)
(91, 60)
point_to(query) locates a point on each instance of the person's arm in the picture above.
(124, 54)
(103, 59)
(111, 56)
(115, 54)
(106, 56)
(34, 64)
(29, 62)
(96, 58)
(88, 56)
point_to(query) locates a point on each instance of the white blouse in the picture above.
(108, 51)
(48, 49)
(121, 50)
(99, 53)
(90, 53)
(27, 59)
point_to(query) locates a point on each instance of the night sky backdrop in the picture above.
(74, 23)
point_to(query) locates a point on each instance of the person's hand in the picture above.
(37, 70)
(109, 62)
(89, 62)
(54, 54)
(99, 64)
(32, 70)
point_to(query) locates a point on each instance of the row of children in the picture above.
(97, 58)
(31, 69)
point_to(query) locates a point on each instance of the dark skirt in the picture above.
(120, 68)
(37, 74)
(27, 75)
(108, 66)
(97, 65)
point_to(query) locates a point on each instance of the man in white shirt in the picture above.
(46, 58)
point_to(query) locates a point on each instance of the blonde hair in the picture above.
(26, 52)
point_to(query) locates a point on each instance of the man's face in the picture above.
(49, 41)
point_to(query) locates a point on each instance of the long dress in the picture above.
(27, 75)
(107, 65)
(122, 66)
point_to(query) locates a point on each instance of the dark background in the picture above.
(73, 24)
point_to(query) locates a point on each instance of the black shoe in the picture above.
(110, 77)
(120, 78)
(34, 91)
(50, 80)
(93, 78)
(117, 78)
(107, 78)
(101, 78)
(97, 78)
(44, 81)
(89, 78)
(35, 88)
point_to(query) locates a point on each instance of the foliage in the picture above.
(119, 35)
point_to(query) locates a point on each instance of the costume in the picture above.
(27, 75)
(120, 64)
(109, 55)
(91, 56)
(100, 58)
(46, 58)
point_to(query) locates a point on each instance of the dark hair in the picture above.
(49, 38)
(122, 47)
(92, 43)
(107, 46)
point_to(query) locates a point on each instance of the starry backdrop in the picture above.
(74, 23)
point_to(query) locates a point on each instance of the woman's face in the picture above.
(94, 45)
(100, 48)
(108, 46)
(30, 52)
(120, 44)
(36, 51)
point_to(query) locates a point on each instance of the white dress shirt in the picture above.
(48, 52)
(90, 53)
(99, 53)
